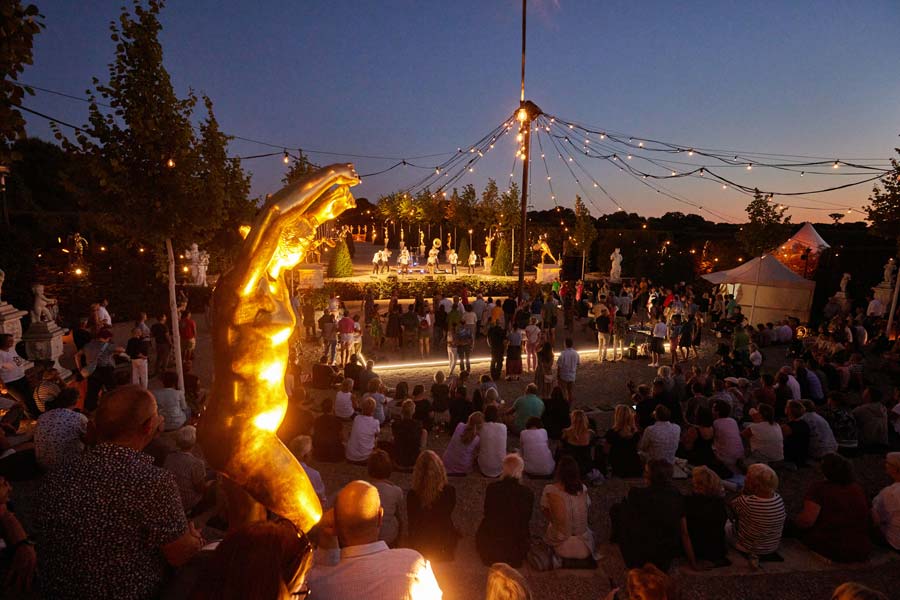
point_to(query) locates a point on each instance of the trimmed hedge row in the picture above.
(427, 286)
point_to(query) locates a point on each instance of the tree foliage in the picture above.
(502, 264)
(585, 231)
(464, 251)
(884, 205)
(766, 228)
(340, 264)
(299, 167)
(20, 23)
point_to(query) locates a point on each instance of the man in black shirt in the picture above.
(160, 333)
(496, 336)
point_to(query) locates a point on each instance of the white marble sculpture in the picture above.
(202, 268)
(844, 281)
(44, 309)
(192, 254)
(888, 272)
(615, 270)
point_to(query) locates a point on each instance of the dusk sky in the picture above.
(403, 78)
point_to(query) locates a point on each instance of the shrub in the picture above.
(340, 264)
(463, 253)
(502, 264)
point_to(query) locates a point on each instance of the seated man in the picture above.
(526, 406)
(324, 376)
(111, 523)
(886, 505)
(366, 567)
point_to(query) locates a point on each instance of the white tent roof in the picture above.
(765, 270)
(808, 236)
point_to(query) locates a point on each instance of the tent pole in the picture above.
(755, 289)
(890, 323)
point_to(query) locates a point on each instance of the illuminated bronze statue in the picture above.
(544, 250)
(252, 324)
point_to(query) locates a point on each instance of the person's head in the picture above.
(569, 342)
(301, 447)
(809, 405)
(473, 425)
(186, 314)
(513, 466)
(767, 413)
(162, 318)
(104, 335)
(580, 423)
(401, 392)
(569, 476)
(357, 514)
(837, 469)
(623, 420)
(491, 414)
(837, 399)
(491, 396)
(368, 406)
(531, 389)
(664, 372)
(721, 409)
(534, 423)
(662, 413)
(347, 385)
(761, 480)
(658, 472)
(327, 406)
(856, 591)
(706, 482)
(186, 437)
(505, 583)
(127, 417)
(66, 398)
(873, 395)
(418, 390)
(892, 465)
(439, 377)
(256, 562)
(380, 465)
(169, 379)
(649, 583)
(407, 409)
(429, 477)
(768, 380)
(136, 332)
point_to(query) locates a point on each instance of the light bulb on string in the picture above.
(691, 152)
(602, 136)
(640, 144)
(835, 165)
(170, 163)
(286, 158)
(750, 166)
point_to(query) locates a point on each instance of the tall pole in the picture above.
(524, 116)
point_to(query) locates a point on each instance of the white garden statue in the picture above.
(44, 309)
(615, 270)
(888, 272)
(202, 268)
(844, 281)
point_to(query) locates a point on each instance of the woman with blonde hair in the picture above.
(621, 444)
(429, 508)
(647, 583)
(706, 515)
(856, 591)
(505, 583)
(577, 442)
(461, 452)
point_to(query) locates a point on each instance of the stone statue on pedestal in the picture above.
(202, 267)
(44, 309)
(615, 271)
(844, 281)
(889, 272)
(192, 254)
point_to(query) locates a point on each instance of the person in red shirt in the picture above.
(345, 330)
(188, 330)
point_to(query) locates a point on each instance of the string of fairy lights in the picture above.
(582, 148)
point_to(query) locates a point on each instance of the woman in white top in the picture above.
(658, 341)
(363, 434)
(343, 401)
(535, 449)
(727, 444)
(392, 502)
(460, 454)
(765, 435)
(492, 448)
(565, 504)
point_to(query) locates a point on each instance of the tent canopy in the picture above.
(765, 270)
(808, 237)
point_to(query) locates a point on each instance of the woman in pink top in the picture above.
(459, 457)
(727, 443)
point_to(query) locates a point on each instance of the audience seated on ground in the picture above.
(872, 420)
(504, 534)
(706, 516)
(373, 390)
(60, 430)
(429, 509)
(565, 504)
(796, 434)
(409, 437)
(650, 525)
(459, 457)
(759, 514)
(302, 447)
(324, 376)
(391, 496)
(835, 518)
(344, 408)
(856, 591)
(440, 397)
(621, 444)
(578, 442)
(526, 406)
(886, 505)
(535, 449)
(765, 436)
(821, 438)
(842, 423)
(556, 414)
(188, 469)
(492, 446)
(363, 434)
(505, 583)
(328, 435)
(424, 412)
(727, 444)
(353, 563)
(660, 440)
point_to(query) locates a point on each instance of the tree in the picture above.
(464, 251)
(502, 264)
(836, 217)
(19, 26)
(767, 226)
(884, 205)
(340, 264)
(300, 167)
(585, 232)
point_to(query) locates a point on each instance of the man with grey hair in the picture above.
(365, 567)
(189, 470)
(110, 523)
(301, 448)
(504, 534)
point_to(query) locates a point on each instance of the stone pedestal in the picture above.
(43, 342)
(309, 277)
(488, 262)
(11, 320)
(547, 273)
(885, 293)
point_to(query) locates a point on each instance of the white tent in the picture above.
(801, 252)
(767, 290)
(808, 237)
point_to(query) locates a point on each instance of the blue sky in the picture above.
(404, 78)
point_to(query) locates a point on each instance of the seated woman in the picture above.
(727, 444)
(565, 505)
(328, 435)
(409, 437)
(391, 496)
(795, 434)
(535, 449)
(504, 533)
(650, 526)
(461, 452)
(424, 412)
(759, 513)
(440, 397)
(835, 516)
(556, 414)
(492, 446)
(374, 391)
(621, 443)
(344, 407)
(577, 442)
(766, 438)
(429, 507)
(706, 515)
(363, 434)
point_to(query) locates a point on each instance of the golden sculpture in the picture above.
(252, 323)
(544, 249)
